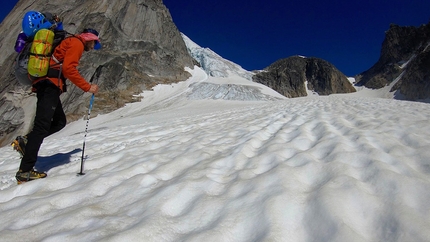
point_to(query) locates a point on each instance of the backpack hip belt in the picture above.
(54, 72)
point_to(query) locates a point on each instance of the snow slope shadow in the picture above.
(48, 162)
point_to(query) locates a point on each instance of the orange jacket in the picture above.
(69, 52)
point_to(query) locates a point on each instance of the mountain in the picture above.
(141, 48)
(403, 67)
(293, 76)
(404, 63)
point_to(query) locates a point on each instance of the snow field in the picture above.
(335, 168)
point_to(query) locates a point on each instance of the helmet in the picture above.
(33, 21)
(98, 45)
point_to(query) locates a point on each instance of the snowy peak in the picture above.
(213, 64)
(224, 79)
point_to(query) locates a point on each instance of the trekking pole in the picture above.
(85, 136)
(97, 74)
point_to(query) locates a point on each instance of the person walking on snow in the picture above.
(50, 117)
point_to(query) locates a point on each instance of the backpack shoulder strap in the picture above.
(67, 37)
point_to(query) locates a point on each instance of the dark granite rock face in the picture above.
(415, 83)
(288, 77)
(405, 59)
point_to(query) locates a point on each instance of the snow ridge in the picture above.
(214, 64)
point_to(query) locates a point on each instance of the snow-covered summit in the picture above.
(223, 79)
(213, 64)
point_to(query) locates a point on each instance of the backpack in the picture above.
(41, 35)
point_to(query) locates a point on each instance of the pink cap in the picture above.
(89, 36)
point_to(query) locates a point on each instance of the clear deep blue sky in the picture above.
(256, 33)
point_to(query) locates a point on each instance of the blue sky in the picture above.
(254, 34)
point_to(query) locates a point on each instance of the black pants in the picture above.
(50, 118)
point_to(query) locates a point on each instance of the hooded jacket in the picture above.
(69, 52)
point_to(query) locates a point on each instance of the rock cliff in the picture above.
(289, 76)
(405, 58)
